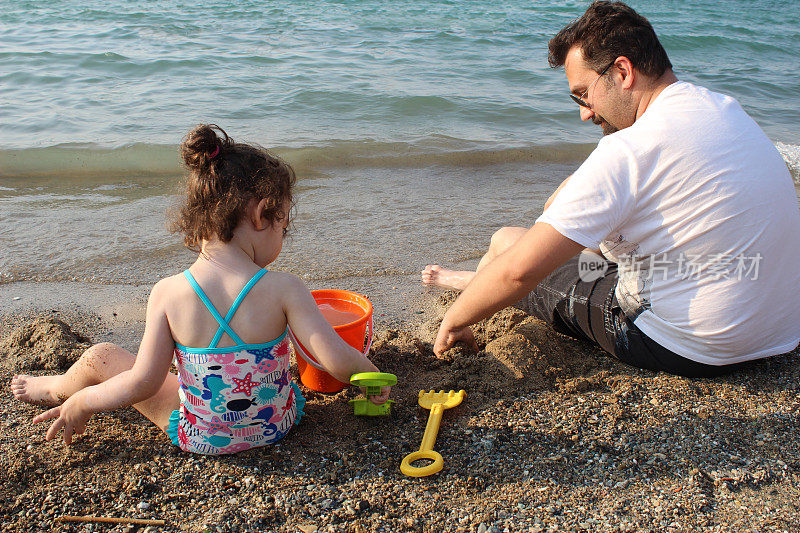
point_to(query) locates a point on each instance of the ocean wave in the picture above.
(745, 44)
(85, 160)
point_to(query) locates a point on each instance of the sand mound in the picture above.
(518, 354)
(43, 344)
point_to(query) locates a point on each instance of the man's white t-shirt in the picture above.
(697, 207)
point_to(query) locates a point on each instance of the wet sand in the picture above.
(552, 435)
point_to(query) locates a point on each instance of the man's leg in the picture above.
(560, 299)
(572, 306)
(637, 349)
(501, 241)
(97, 364)
(588, 310)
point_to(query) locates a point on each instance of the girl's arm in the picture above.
(142, 381)
(309, 326)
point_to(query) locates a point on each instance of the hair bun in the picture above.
(203, 144)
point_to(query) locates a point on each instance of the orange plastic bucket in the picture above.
(357, 333)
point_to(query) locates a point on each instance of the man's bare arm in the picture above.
(505, 280)
(553, 196)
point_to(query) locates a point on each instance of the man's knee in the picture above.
(503, 238)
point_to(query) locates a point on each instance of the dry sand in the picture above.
(552, 436)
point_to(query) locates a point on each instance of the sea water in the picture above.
(416, 127)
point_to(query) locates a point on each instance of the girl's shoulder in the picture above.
(170, 284)
(279, 276)
(169, 289)
(278, 283)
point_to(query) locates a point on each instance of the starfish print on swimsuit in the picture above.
(218, 425)
(282, 381)
(260, 354)
(245, 385)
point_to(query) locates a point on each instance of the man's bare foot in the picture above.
(37, 390)
(446, 279)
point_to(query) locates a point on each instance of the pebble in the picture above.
(327, 504)
(362, 505)
(143, 505)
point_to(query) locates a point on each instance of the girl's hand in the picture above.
(72, 416)
(448, 336)
(379, 399)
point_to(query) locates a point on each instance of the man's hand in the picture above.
(448, 336)
(72, 416)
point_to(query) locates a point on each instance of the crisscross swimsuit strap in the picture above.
(224, 323)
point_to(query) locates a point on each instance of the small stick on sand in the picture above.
(110, 520)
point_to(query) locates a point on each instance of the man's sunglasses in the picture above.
(580, 99)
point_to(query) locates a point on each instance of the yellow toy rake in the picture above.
(437, 402)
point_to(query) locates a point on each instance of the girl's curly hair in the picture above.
(223, 177)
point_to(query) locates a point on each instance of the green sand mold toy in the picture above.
(372, 382)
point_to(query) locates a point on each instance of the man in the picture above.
(685, 196)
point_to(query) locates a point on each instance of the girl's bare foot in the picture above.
(37, 390)
(446, 279)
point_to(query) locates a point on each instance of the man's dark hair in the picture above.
(606, 31)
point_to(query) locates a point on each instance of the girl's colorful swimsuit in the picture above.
(237, 397)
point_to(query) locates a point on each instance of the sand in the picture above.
(45, 343)
(553, 435)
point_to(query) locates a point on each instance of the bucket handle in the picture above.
(299, 347)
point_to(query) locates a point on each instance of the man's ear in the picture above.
(623, 69)
(257, 215)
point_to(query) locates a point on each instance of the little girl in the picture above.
(224, 320)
